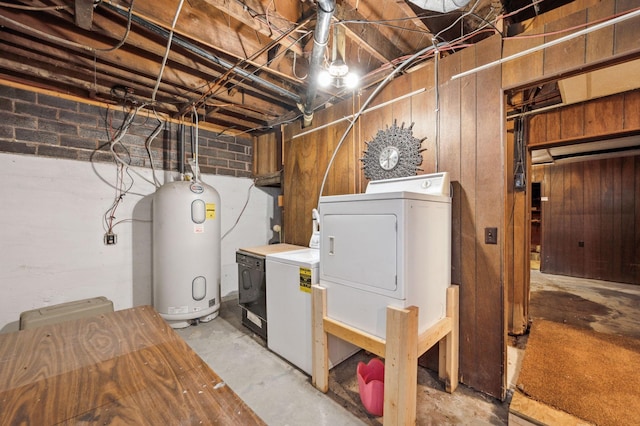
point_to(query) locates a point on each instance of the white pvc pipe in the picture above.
(596, 27)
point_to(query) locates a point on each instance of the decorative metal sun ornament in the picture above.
(392, 153)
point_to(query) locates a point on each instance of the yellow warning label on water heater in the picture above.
(305, 280)
(211, 211)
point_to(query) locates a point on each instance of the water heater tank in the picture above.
(186, 252)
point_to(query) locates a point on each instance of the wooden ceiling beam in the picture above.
(253, 14)
(393, 22)
(223, 120)
(220, 116)
(16, 65)
(210, 27)
(100, 76)
(207, 68)
(408, 11)
(372, 40)
(139, 64)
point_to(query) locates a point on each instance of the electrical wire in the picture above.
(488, 23)
(436, 143)
(122, 167)
(293, 69)
(62, 41)
(166, 53)
(147, 145)
(121, 132)
(235, 84)
(515, 12)
(126, 33)
(194, 161)
(33, 8)
(241, 212)
(454, 23)
(519, 149)
(421, 55)
(576, 27)
(120, 191)
(364, 106)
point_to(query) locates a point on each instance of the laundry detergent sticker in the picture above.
(305, 280)
(211, 211)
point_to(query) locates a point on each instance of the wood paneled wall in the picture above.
(607, 46)
(267, 154)
(608, 117)
(591, 220)
(474, 160)
(596, 49)
(469, 142)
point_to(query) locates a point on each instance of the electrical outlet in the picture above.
(491, 235)
(519, 182)
(110, 238)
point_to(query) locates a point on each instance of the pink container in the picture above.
(371, 385)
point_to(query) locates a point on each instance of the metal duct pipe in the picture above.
(202, 53)
(441, 6)
(326, 8)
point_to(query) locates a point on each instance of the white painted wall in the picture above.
(51, 233)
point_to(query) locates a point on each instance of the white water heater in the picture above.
(186, 252)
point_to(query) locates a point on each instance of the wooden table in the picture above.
(125, 367)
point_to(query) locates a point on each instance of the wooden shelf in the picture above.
(270, 179)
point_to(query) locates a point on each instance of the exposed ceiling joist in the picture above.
(254, 15)
(371, 39)
(243, 63)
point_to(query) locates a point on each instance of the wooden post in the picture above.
(319, 349)
(401, 349)
(401, 366)
(449, 346)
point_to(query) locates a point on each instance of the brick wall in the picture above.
(34, 123)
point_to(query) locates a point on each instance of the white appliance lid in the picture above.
(400, 195)
(307, 257)
(433, 184)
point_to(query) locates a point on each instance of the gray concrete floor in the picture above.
(282, 395)
(602, 306)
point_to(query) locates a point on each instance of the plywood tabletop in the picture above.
(125, 367)
(271, 249)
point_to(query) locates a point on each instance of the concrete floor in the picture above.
(602, 306)
(282, 395)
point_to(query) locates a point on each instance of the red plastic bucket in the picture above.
(371, 385)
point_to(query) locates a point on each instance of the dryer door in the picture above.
(359, 250)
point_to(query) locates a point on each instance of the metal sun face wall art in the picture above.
(392, 153)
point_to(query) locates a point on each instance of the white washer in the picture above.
(390, 246)
(289, 279)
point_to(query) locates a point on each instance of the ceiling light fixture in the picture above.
(337, 73)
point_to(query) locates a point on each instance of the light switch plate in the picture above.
(491, 235)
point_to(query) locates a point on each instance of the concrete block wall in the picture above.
(39, 124)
